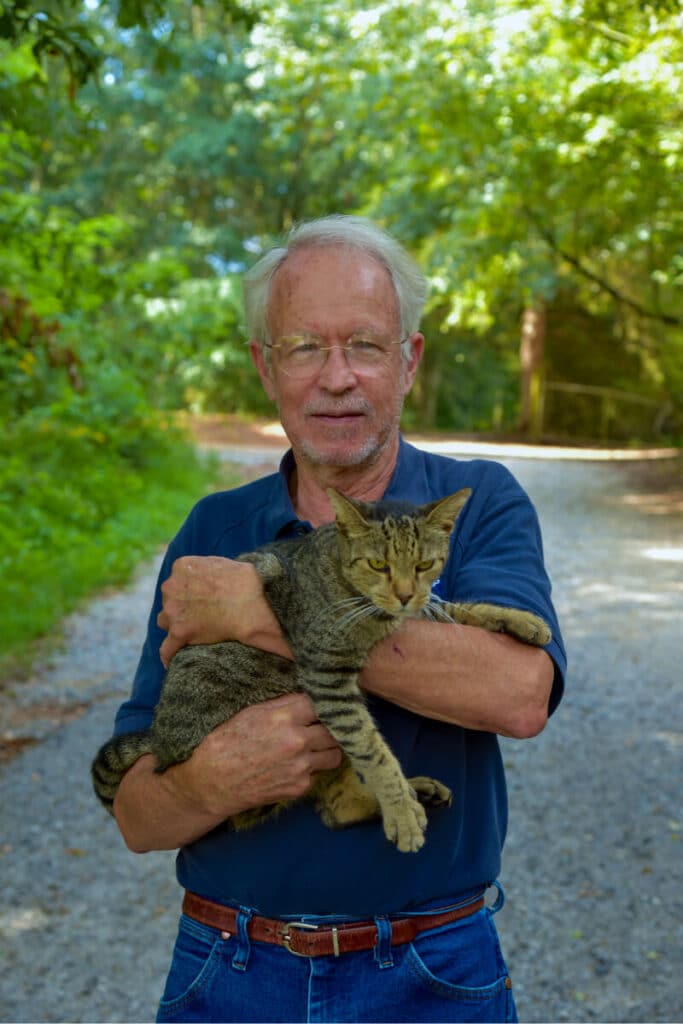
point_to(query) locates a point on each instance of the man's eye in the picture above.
(299, 351)
(364, 345)
(301, 347)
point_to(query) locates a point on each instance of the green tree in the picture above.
(528, 153)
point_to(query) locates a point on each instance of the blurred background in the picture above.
(528, 154)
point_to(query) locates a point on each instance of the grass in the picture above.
(76, 518)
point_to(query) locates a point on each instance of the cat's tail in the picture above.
(113, 761)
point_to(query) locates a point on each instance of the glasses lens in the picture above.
(301, 357)
(305, 357)
(365, 355)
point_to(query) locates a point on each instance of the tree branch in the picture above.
(574, 261)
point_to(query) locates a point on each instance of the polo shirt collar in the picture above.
(282, 518)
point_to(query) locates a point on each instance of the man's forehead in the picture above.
(341, 267)
(323, 252)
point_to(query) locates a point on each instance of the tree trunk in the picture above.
(532, 343)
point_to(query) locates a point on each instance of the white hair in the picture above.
(409, 283)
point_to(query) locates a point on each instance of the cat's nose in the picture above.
(404, 598)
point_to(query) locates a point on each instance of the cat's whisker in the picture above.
(346, 602)
(350, 608)
(365, 611)
(356, 616)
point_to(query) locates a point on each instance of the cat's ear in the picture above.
(442, 514)
(348, 513)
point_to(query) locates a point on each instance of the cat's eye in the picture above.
(378, 564)
(426, 565)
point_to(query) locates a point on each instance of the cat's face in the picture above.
(393, 556)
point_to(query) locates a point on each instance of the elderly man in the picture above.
(379, 935)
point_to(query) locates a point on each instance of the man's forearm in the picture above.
(464, 675)
(153, 815)
(265, 754)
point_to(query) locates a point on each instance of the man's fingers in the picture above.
(168, 650)
(324, 759)
(320, 739)
(294, 711)
(292, 708)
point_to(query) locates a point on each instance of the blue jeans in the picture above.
(452, 973)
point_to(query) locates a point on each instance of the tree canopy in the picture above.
(529, 154)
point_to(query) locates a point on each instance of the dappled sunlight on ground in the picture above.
(672, 554)
(503, 449)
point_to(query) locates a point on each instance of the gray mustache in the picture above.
(330, 409)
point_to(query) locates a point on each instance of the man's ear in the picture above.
(410, 365)
(264, 368)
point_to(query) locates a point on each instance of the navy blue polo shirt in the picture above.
(293, 864)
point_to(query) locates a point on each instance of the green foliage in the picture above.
(526, 152)
(87, 491)
(58, 30)
(91, 479)
(202, 358)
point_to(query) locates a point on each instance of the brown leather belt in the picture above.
(306, 939)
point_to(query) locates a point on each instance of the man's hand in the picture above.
(208, 599)
(266, 753)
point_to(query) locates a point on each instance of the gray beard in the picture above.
(365, 454)
(359, 456)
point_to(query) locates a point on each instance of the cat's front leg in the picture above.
(404, 819)
(525, 626)
(341, 708)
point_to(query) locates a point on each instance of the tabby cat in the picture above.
(336, 592)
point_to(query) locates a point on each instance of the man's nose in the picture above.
(336, 374)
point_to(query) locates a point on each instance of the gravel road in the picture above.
(593, 869)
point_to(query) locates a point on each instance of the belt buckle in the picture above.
(287, 936)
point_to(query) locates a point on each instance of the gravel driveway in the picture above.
(593, 866)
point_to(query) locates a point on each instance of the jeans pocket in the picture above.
(464, 962)
(197, 955)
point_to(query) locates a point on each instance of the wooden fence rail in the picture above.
(609, 400)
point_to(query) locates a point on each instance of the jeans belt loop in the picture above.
(241, 957)
(383, 952)
(500, 899)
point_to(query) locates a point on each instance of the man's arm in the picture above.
(454, 673)
(464, 675)
(265, 754)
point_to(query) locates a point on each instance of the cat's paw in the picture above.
(531, 629)
(525, 626)
(431, 792)
(405, 825)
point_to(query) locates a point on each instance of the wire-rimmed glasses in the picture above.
(304, 355)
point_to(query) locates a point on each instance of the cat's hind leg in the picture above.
(431, 792)
(342, 799)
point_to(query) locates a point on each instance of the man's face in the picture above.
(338, 417)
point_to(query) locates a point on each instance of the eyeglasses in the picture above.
(304, 355)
